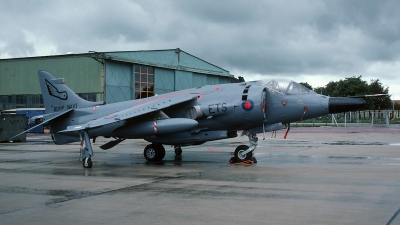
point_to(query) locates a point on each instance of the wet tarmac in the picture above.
(315, 176)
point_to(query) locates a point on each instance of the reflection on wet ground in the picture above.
(355, 143)
(328, 177)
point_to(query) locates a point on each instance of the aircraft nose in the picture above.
(345, 104)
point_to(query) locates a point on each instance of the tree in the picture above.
(350, 86)
(396, 106)
(307, 85)
(381, 102)
(319, 90)
(330, 89)
(355, 86)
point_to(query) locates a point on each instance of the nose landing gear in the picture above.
(244, 152)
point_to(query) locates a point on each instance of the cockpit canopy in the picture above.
(285, 86)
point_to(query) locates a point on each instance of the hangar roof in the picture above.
(168, 58)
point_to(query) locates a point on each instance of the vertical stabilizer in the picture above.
(57, 96)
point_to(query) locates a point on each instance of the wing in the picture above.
(135, 111)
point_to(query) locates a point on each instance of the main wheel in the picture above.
(88, 163)
(150, 153)
(154, 152)
(239, 156)
(161, 152)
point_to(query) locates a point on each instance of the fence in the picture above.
(365, 117)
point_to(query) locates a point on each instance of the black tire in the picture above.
(161, 152)
(151, 153)
(87, 165)
(239, 157)
(178, 151)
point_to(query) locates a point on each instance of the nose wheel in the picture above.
(241, 155)
(244, 152)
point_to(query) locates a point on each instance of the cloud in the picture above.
(306, 38)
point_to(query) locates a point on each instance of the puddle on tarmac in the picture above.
(349, 157)
(56, 193)
(354, 143)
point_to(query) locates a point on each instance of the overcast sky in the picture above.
(307, 41)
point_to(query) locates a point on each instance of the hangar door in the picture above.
(126, 81)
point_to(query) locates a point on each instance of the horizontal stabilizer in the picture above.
(45, 119)
(111, 144)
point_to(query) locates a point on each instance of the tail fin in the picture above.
(58, 97)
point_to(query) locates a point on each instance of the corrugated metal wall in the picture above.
(119, 82)
(183, 80)
(19, 85)
(164, 81)
(199, 80)
(83, 74)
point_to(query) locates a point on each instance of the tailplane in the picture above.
(57, 96)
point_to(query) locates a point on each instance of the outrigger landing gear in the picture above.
(244, 152)
(86, 150)
(178, 150)
(154, 152)
(87, 163)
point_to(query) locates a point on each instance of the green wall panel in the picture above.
(82, 74)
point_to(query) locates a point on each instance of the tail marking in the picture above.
(53, 91)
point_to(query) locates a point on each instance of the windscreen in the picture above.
(286, 87)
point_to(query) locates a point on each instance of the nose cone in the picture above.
(343, 104)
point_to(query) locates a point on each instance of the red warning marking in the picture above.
(217, 89)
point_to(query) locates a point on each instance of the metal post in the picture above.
(372, 121)
(387, 118)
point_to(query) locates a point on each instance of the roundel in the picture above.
(247, 105)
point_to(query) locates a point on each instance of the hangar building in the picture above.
(107, 76)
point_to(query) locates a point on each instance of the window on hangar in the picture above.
(144, 81)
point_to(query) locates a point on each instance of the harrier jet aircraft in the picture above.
(188, 117)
